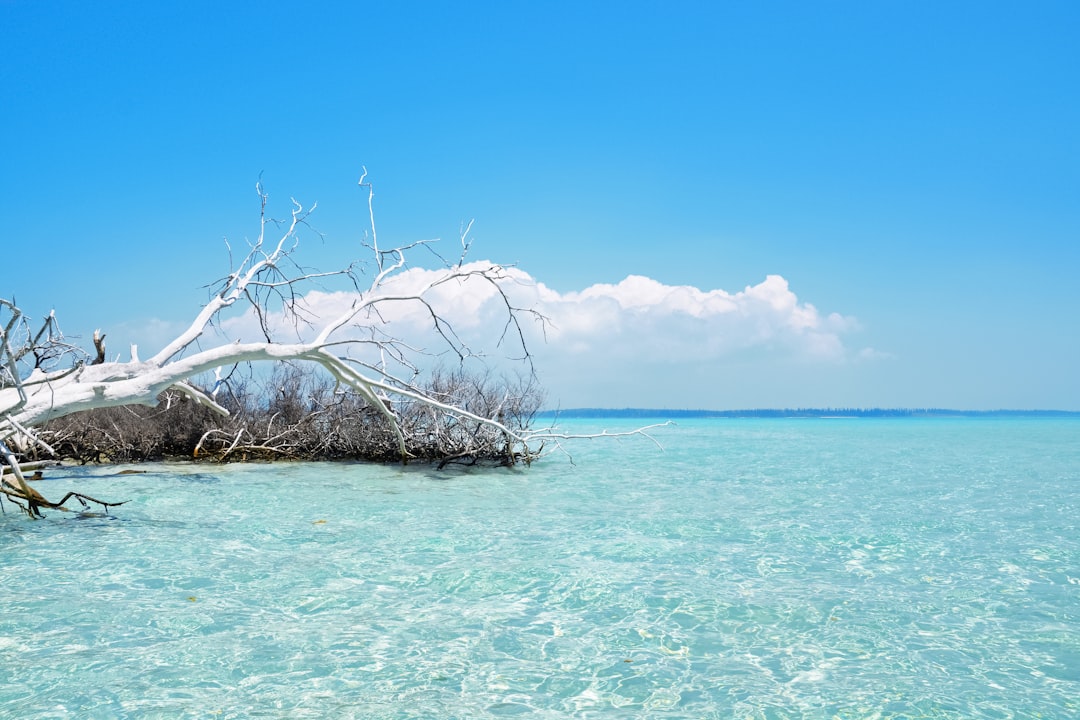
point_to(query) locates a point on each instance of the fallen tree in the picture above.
(44, 377)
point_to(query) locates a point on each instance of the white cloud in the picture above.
(869, 354)
(658, 321)
(637, 342)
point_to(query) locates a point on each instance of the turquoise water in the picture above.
(911, 568)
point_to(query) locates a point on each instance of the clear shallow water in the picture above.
(913, 568)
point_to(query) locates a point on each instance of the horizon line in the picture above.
(800, 411)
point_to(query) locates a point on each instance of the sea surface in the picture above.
(749, 568)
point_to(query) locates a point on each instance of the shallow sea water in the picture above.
(871, 568)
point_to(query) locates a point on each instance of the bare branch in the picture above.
(463, 419)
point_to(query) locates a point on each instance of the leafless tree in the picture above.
(43, 377)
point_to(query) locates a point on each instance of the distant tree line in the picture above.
(299, 413)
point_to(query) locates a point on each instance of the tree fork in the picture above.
(261, 280)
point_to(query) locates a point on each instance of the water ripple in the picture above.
(765, 569)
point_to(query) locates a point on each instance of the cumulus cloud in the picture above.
(659, 320)
(610, 338)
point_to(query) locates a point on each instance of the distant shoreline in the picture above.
(799, 413)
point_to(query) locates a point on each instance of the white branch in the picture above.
(266, 274)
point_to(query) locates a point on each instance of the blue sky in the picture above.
(910, 170)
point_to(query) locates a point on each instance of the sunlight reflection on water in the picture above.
(754, 568)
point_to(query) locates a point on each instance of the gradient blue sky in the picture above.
(911, 166)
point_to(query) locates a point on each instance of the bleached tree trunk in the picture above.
(54, 387)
